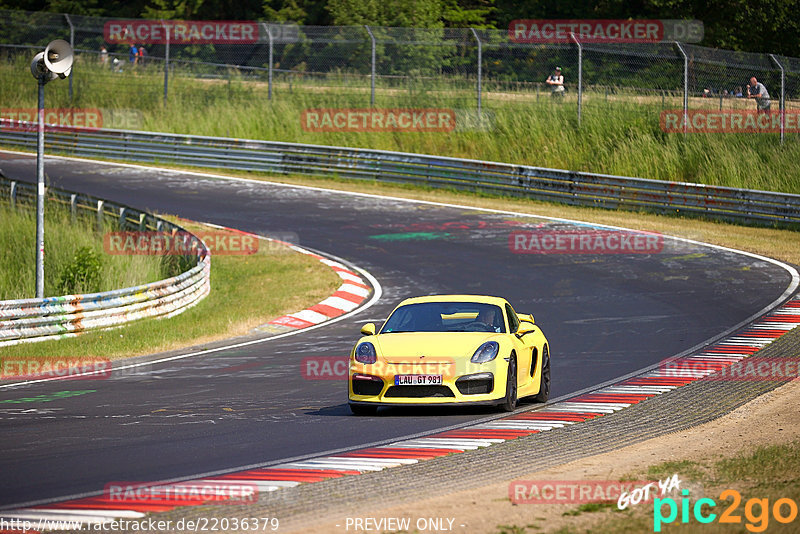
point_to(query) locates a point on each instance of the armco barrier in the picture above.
(28, 320)
(577, 188)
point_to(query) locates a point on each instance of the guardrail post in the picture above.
(166, 61)
(142, 221)
(13, 195)
(372, 76)
(685, 88)
(782, 105)
(269, 71)
(73, 207)
(159, 226)
(480, 66)
(580, 77)
(121, 222)
(72, 45)
(100, 205)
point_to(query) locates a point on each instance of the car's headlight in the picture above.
(365, 353)
(486, 352)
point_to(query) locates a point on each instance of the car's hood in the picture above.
(407, 346)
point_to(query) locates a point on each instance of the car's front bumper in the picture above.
(478, 384)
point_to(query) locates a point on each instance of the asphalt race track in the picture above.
(604, 314)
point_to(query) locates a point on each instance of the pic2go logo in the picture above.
(756, 511)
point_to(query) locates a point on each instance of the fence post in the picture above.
(480, 66)
(269, 75)
(685, 87)
(73, 207)
(782, 105)
(72, 45)
(166, 61)
(580, 77)
(372, 76)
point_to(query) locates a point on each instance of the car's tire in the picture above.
(510, 401)
(360, 409)
(544, 381)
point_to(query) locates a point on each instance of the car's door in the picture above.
(523, 346)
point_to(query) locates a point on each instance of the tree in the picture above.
(411, 13)
(468, 13)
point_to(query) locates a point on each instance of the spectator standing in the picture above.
(759, 92)
(133, 54)
(556, 83)
(142, 54)
(103, 56)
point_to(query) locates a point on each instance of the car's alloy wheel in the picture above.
(544, 381)
(510, 403)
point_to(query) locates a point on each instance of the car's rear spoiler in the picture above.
(527, 317)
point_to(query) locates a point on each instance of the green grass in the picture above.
(767, 468)
(246, 291)
(64, 239)
(617, 136)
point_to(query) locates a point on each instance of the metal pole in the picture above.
(480, 66)
(72, 45)
(580, 77)
(166, 62)
(372, 77)
(685, 88)
(40, 193)
(269, 82)
(783, 96)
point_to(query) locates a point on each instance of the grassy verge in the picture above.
(767, 474)
(620, 135)
(247, 291)
(74, 258)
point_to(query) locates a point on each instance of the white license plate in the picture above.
(417, 380)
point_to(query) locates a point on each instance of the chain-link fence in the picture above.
(364, 66)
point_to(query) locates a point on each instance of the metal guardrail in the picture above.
(28, 320)
(569, 187)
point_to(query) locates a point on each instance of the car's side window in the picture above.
(513, 320)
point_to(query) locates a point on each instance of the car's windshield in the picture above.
(446, 317)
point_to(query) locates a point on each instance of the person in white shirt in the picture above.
(759, 92)
(556, 82)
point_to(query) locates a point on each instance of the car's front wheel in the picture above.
(510, 402)
(360, 409)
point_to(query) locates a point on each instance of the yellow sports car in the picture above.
(448, 349)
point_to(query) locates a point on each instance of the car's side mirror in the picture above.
(368, 329)
(525, 327)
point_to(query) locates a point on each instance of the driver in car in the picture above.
(491, 317)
